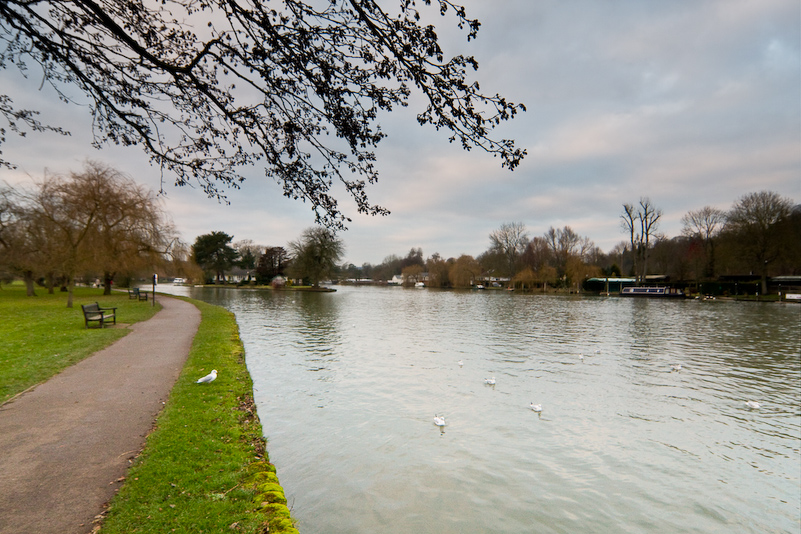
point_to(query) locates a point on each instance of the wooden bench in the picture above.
(136, 293)
(94, 313)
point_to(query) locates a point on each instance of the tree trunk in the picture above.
(70, 286)
(108, 279)
(29, 289)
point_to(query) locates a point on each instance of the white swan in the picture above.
(490, 381)
(536, 407)
(675, 367)
(208, 378)
(752, 404)
(439, 420)
(461, 363)
(581, 357)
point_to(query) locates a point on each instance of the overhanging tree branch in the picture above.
(164, 75)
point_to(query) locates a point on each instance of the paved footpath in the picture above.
(65, 444)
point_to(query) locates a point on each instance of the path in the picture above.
(65, 444)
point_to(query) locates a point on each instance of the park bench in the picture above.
(94, 313)
(136, 293)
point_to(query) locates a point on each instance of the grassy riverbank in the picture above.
(40, 336)
(205, 468)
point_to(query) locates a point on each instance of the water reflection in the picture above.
(348, 382)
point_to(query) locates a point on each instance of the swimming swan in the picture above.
(490, 381)
(439, 420)
(536, 407)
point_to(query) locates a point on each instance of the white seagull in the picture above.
(536, 407)
(208, 378)
(490, 381)
(752, 404)
(439, 420)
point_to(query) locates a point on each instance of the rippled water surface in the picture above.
(348, 383)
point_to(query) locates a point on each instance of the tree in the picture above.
(131, 230)
(754, 220)
(316, 254)
(97, 222)
(214, 254)
(570, 253)
(272, 263)
(641, 223)
(628, 223)
(437, 271)
(510, 240)
(412, 274)
(208, 87)
(60, 208)
(464, 271)
(22, 239)
(248, 255)
(704, 225)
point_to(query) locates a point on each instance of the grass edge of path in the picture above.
(204, 467)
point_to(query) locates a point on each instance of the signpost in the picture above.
(155, 281)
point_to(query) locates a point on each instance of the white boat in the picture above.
(651, 292)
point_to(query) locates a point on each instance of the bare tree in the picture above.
(754, 220)
(95, 221)
(69, 218)
(132, 232)
(641, 223)
(705, 225)
(510, 240)
(649, 217)
(628, 223)
(206, 88)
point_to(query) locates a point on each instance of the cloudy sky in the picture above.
(688, 102)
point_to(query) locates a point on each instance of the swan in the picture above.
(208, 378)
(439, 420)
(597, 351)
(581, 357)
(752, 404)
(461, 363)
(675, 367)
(536, 407)
(490, 381)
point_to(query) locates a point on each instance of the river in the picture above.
(347, 385)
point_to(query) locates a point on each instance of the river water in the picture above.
(347, 385)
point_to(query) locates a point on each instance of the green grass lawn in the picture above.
(40, 336)
(205, 467)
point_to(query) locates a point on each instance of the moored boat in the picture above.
(651, 292)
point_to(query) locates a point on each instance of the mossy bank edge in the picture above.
(204, 467)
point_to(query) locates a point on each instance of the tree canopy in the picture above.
(206, 87)
(315, 254)
(97, 222)
(214, 253)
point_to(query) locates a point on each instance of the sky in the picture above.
(690, 103)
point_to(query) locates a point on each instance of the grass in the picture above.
(204, 467)
(40, 336)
